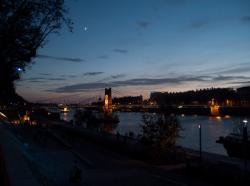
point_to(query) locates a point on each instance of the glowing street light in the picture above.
(199, 126)
(244, 141)
(245, 122)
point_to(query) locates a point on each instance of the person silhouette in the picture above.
(75, 174)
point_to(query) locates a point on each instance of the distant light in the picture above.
(2, 114)
(218, 117)
(199, 126)
(19, 69)
(85, 28)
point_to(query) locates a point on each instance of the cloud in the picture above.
(129, 82)
(72, 76)
(35, 78)
(118, 76)
(123, 51)
(43, 79)
(245, 19)
(228, 78)
(158, 81)
(244, 83)
(143, 24)
(103, 57)
(239, 68)
(151, 82)
(56, 79)
(92, 73)
(75, 60)
(36, 81)
(199, 24)
(80, 87)
(68, 76)
(45, 74)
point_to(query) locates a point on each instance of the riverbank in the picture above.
(215, 169)
(203, 110)
(53, 158)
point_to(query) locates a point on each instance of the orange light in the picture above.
(214, 109)
(106, 101)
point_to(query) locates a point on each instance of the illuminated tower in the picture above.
(108, 101)
(214, 108)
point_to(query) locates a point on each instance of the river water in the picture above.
(211, 129)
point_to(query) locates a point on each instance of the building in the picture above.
(108, 101)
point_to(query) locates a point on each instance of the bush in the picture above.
(159, 134)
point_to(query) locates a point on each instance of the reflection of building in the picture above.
(108, 101)
(215, 110)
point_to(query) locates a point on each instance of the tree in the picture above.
(24, 27)
(159, 134)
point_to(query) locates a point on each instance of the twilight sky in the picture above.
(140, 46)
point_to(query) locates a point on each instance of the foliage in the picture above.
(24, 27)
(159, 133)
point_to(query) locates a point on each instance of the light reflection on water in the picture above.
(212, 129)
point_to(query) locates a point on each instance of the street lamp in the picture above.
(245, 122)
(199, 126)
(245, 138)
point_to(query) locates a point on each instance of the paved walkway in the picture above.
(17, 168)
(31, 165)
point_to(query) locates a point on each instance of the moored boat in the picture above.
(237, 144)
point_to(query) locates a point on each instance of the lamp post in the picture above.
(245, 138)
(199, 126)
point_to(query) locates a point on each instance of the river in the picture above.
(211, 129)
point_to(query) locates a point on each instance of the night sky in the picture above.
(140, 46)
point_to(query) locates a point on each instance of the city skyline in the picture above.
(137, 47)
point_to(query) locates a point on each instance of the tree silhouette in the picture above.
(159, 133)
(24, 27)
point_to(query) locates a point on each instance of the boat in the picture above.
(237, 144)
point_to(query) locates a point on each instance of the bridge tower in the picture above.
(214, 108)
(108, 101)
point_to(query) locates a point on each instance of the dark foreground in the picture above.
(47, 157)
